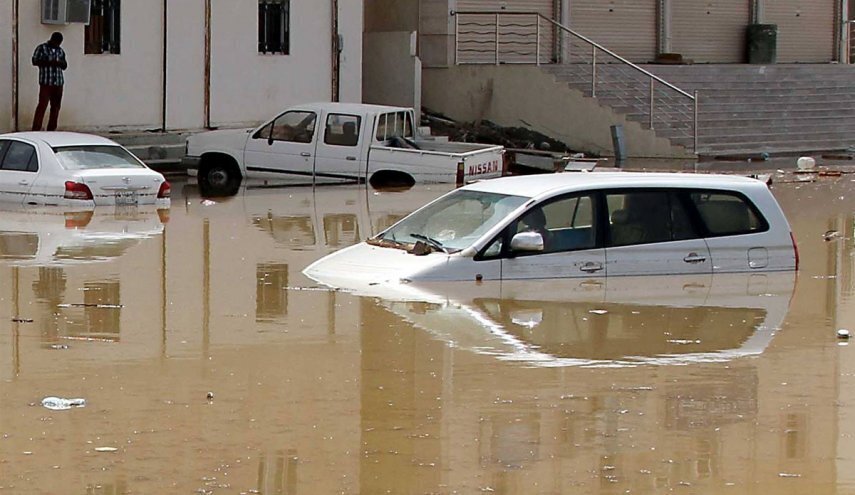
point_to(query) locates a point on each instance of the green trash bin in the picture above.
(762, 43)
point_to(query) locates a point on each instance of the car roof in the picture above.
(533, 186)
(349, 107)
(59, 139)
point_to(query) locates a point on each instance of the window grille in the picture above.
(102, 35)
(274, 26)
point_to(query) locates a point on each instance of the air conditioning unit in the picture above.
(66, 11)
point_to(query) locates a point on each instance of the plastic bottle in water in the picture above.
(60, 404)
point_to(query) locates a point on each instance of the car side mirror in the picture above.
(527, 242)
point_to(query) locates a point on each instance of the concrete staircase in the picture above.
(775, 109)
(161, 151)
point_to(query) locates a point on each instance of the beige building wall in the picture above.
(528, 97)
(392, 71)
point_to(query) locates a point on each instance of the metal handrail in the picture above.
(653, 78)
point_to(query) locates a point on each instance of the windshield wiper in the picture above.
(431, 241)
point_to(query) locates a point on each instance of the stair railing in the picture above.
(532, 38)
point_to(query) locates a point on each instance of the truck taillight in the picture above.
(77, 190)
(795, 249)
(165, 190)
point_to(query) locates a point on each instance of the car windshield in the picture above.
(454, 222)
(95, 157)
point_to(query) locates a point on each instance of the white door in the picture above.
(19, 167)
(735, 232)
(651, 233)
(570, 247)
(283, 148)
(339, 151)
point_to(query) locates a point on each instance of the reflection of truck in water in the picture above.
(337, 142)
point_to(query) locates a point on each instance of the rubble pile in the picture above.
(487, 132)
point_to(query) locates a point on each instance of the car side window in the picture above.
(565, 224)
(342, 130)
(726, 213)
(19, 157)
(294, 126)
(643, 217)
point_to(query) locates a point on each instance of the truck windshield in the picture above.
(454, 222)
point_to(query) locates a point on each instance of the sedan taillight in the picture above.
(76, 190)
(165, 190)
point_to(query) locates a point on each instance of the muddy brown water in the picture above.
(210, 364)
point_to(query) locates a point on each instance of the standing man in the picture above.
(50, 59)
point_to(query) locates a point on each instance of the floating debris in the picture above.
(210, 396)
(789, 475)
(207, 202)
(61, 404)
(843, 333)
(22, 320)
(830, 234)
(598, 311)
(105, 449)
(89, 305)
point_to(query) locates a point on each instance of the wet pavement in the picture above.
(207, 363)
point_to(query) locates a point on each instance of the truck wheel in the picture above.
(219, 176)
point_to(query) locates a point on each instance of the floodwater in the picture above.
(210, 365)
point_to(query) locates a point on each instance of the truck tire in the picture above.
(219, 175)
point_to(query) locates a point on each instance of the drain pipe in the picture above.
(15, 61)
(336, 53)
(163, 89)
(207, 64)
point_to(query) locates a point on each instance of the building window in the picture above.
(274, 26)
(102, 32)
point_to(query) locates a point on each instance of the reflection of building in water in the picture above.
(277, 473)
(293, 232)
(99, 316)
(118, 487)
(271, 292)
(18, 245)
(341, 229)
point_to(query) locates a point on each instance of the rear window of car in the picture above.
(728, 214)
(92, 157)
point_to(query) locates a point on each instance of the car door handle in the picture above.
(351, 158)
(591, 267)
(23, 182)
(306, 154)
(694, 258)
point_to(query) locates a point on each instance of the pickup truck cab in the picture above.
(337, 142)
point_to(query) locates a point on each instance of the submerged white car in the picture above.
(74, 169)
(576, 225)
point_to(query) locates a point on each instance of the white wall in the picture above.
(186, 65)
(267, 83)
(6, 117)
(125, 92)
(100, 90)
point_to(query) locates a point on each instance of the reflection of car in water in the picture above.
(58, 237)
(630, 320)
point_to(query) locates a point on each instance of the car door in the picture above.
(734, 231)
(650, 232)
(19, 167)
(283, 147)
(339, 151)
(570, 248)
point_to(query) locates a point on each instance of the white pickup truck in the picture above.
(337, 142)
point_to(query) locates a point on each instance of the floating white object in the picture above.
(843, 333)
(60, 404)
(105, 449)
(806, 163)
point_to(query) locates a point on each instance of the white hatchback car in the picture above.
(576, 225)
(74, 169)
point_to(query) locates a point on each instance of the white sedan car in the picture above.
(576, 225)
(73, 169)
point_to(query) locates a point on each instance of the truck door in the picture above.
(284, 147)
(339, 155)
